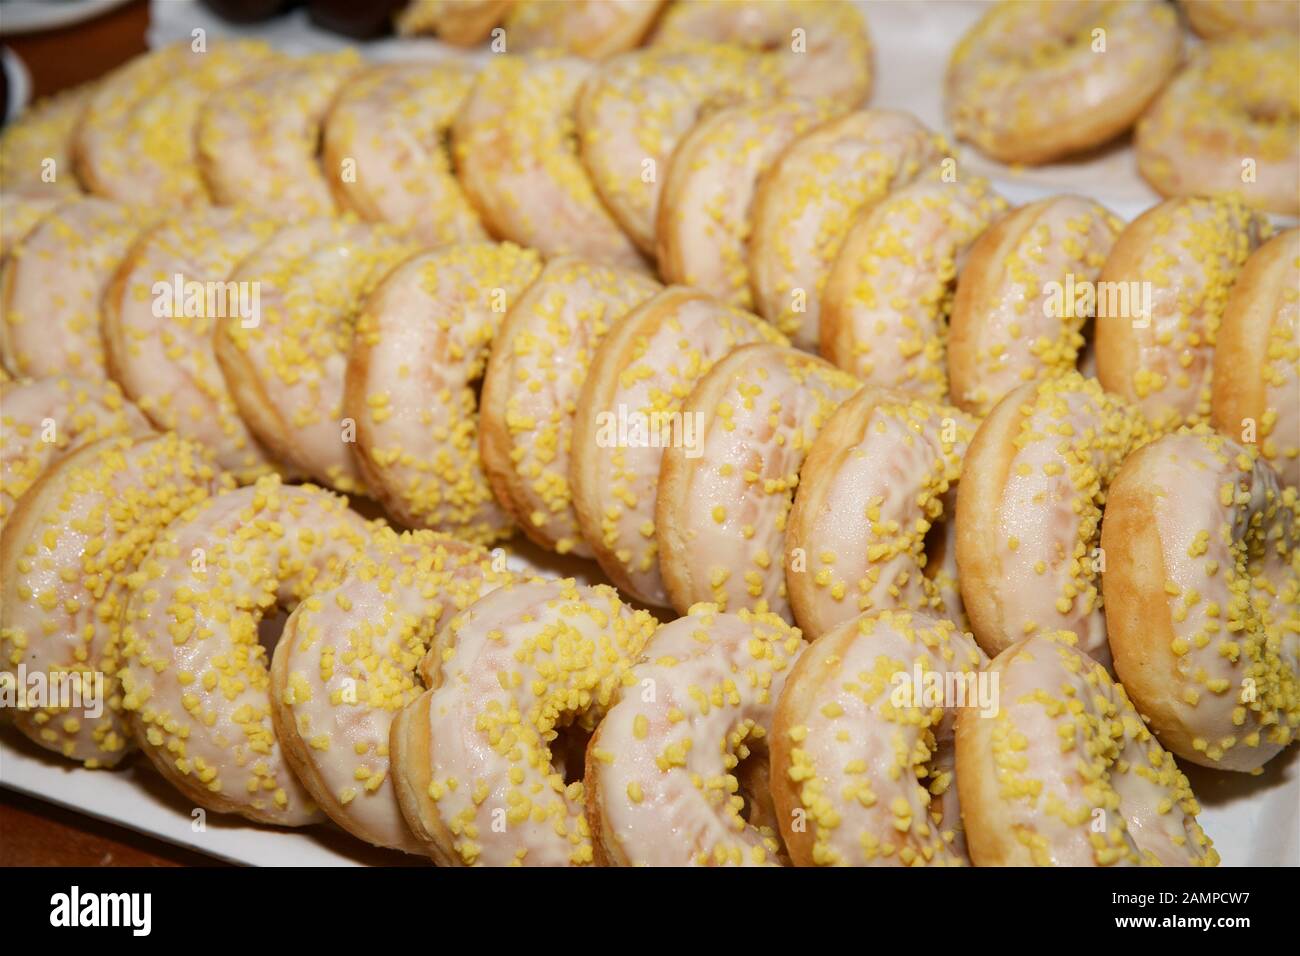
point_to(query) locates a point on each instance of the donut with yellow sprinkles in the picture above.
(67, 558)
(540, 358)
(872, 524)
(630, 411)
(1259, 342)
(593, 29)
(1065, 773)
(722, 505)
(808, 200)
(36, 147)
(421, 343)
(488, 763)
(1029, 511)
(885, 306)
(195, 677)
(862, 757)
(1177, 261)
(384, 156)
(679, 777)
(1203, 598)
(1024, 295)
(1036, 80)
(346, 663)
(1216, 19)
(517, 157)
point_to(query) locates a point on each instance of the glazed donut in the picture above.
(346, 663)
(135, 140)
(637, 106)
(286, 371)
(458, 22)
(540, 358)
(884, 309)
(1259, 342)
(862, 766)
(1216, 19)
(1065, 752)
(809, 198)
(1183, 256)
(68, 555)
(258, 140)
(821, 50)
(872, 524)
(488, 762)
(1033, 81)
(1203, 598)
(593, 29)
(517, 156)
(36, 147)
(195, 677)
(679, 776)
(51, 286)
(383, 153)
(165, 362)
(1024, 295)
(1229, 123)
(722, 506)
(19, 214)
(1029, 511)
(702, 228)
(45, 419)
(631, 402)
(421, 343)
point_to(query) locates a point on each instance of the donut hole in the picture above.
(569, 751)
(752, 773)
(270, 627)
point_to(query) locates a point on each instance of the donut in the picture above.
(19, 214)
(1216, 19)
(1176, 262)
(1026, 290)
(540, 358)
(517, 156)
(637, 106)
(885, 305)
(722, 505)
(809, 198)
(1035, 81)
(286, 371)
(1229, 123)
(36, 147)
(383, 150)
(51, 285)
(45, 419)
(134, 142)
(1258, 354)
(630, 410)
(158, 329)
(458, 22)
(1065, 773)
(862, 759)
(1029, 510)
(346, 663)
(592, 29)
(259, 140)
(679, 776)
(487, 763)
(702, 228)
(194, 676)
(872, 521)
(1203, 598)
(819, 49)
(421, 343)
(70, 549)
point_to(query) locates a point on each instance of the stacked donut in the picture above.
(996, 478)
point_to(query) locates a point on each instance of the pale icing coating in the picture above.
(593, 29)
(722, 515)
(812, 195)
(678, 768)
(19, 214)
(422, 342)
(866, 759)
(196, 680)
(43, 133)
(67, 560)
